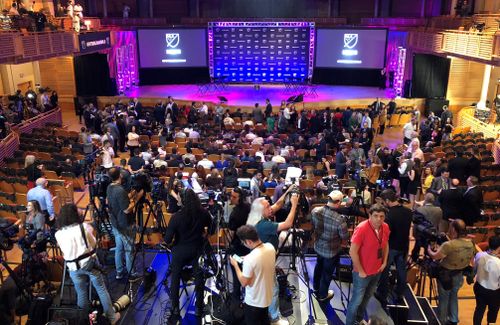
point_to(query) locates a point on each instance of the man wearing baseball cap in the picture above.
(329, 228)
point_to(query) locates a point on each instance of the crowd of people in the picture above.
(19, 107)
(328, 143)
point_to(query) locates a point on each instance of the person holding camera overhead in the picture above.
(329, 229)
(186, 232)
(121, 209)
(455, 255)
(260, 216)
(78, 245)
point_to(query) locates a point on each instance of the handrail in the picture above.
(11, 142)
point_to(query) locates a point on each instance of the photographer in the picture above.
(121, 207)
(257, 276)
(455, 256)
(238, 218)
(186, 231)
(78, 244)
(260, 216)
(399, 220)
(329, 229)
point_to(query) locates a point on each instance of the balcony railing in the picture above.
(426, 41)
(474, 45)
(20, 47)
(134, 22)
(394, 22)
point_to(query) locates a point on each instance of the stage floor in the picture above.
(247, 95)
(153, 307)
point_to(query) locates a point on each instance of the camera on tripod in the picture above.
(142, 181)
(332, 183)
(8, 234)
(426, 232)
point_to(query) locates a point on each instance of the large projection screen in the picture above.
(351, 48)
(172, 48)
(261, 52)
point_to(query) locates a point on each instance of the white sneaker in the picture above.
(117, 318)
(280, 321)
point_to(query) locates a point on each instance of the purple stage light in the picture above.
(261, 52)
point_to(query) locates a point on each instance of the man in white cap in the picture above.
(329, 228)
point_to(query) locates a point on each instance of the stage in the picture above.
(246, 95)
(153, 307)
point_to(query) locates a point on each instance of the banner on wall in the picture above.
(94, 41)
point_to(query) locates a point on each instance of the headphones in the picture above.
(242, 195)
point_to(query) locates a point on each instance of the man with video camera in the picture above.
(329, 229)
(399, 219)
(121, 209)
(260, 216)
(455, 256)
(186, 232)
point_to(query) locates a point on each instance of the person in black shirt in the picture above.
(136, 163)
(186, 231)
(238, 218)
(269, 108)
(399, 219)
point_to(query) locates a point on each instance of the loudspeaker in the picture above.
(435, 105)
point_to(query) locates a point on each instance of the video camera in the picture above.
(8, 234)
(142, 181)
(332, 183)
(425, 231)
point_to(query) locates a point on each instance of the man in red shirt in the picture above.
(369, 251)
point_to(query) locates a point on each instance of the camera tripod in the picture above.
(424, 265)
(296, 251)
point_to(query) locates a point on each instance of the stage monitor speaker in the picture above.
(435, 105)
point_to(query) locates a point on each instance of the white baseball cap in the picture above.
(336, 195)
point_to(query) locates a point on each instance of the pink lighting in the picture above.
(123, 61)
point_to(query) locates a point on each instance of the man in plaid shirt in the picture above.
(329, 228)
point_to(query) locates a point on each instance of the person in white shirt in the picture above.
(487, 286)
(257, 276)
(366, 119)
(203, 109)
(107, 155)
(416, 152)
(205, 163)
(408, 130)
(78, 244)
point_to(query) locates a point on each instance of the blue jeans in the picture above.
(363, 289)
(80, 280)
(398, 258)
(274, 308)
(323, 273)
(124, 247)
(448, 299)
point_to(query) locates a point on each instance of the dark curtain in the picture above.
(175, 76)
(347, 77)
(430, 76)
(92, 76)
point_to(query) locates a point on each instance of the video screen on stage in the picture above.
(172, 48)
(261, 51)
(351, 48)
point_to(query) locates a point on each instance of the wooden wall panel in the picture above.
(406, 8)
(58, 74)
(465, 81)
(174, 10)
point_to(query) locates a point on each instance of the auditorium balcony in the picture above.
(475, 38)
